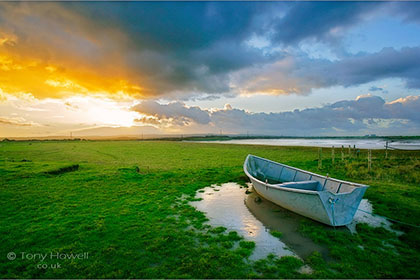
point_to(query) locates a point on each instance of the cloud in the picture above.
(375, 88)
(54, 54)
(370, 67)
(406, 10)
(125, 49)
(366, 114)
(319, 20)
(16, 121)
(187, 50)
(360, 116)
(301, 74)
(176, 113)
(405, 108)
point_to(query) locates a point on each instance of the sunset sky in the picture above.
(273, 68)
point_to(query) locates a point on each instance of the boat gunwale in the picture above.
(278, 186)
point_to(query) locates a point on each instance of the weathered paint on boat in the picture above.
(327, 200)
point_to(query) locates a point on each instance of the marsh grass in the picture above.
(64, 169)
(127, 205)
(276, 233)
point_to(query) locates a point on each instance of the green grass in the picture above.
(276, 233)
(126, 204)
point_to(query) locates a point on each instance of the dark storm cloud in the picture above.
(317, 20)
(409, 11)
(182, 46)
(387, 63)
(301, 74)
(173, 26)
(183, 50)
(197, 46)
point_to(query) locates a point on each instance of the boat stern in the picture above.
(342, 207)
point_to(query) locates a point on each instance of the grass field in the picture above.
(120, 202)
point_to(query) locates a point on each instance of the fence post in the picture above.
(369, 159)
(319, 158)
(342, 153)
(332, 155)
(386, 149)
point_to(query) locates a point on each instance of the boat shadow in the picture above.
(282, 220)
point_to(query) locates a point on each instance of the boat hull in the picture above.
(305, 204)
(334, 209)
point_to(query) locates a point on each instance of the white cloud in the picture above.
(365, 114)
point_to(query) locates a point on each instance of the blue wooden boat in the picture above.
(327, 200)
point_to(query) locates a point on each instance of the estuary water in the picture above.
(336, 142)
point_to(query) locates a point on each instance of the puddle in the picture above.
(253, 217)
(372, 220)
(229, 206)
(277, 218)
(225, 207)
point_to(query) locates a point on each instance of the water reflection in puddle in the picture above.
(253, 217)
(276, 218)
(226, 208)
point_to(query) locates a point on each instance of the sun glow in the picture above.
(76, 112)
(101, 111)
(60, 79)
